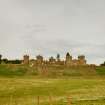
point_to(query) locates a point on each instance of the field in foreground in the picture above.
(24, 91)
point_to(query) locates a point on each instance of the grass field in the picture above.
(23, 89)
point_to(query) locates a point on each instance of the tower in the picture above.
(39, 59)
(26, 59)
(68, 59)
(81, 60)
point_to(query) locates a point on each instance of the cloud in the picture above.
(53, 26)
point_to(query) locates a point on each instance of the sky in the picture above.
(48, 27)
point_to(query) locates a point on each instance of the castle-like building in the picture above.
(69, 61)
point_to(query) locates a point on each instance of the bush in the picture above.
(7, 70)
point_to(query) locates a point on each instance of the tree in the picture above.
(5, 60)
(14, 61)
(58, 57)
(103, 64)
(0, 58)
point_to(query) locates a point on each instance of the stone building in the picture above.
(68, 59)
(70, 62)
(81, 60)
(39, 59)
(26, 59)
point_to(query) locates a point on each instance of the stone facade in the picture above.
(26, 59)
(39, 59)
(69, 61)
(80, 61)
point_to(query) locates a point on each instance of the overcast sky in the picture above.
(49, 27)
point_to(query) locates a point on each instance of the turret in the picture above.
(68, 59)
(39, 59)
(81, 59)
(26, 59)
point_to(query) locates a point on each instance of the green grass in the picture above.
(12, 70)
(100, 70)
(24, 91)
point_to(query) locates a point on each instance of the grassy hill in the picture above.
(100, 70)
